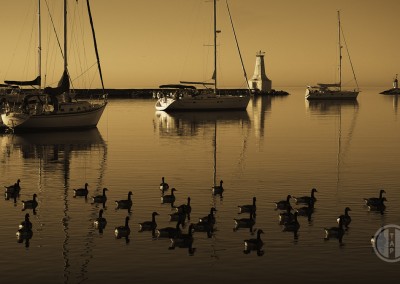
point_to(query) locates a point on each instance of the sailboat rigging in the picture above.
(187, 97)
(54, 108)
(334, 91)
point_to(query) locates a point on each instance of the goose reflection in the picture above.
(25, 233)
(247, 223)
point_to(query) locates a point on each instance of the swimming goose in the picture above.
(335, 232)
(205, 226)
(248, 208)
(375, 201)
(24, 234)
(218, 189)
(100, 222)
(125, 203)
(123, 231)
(306, 199)
(346, 219)
(30, 204)
(180, 214)
(210, 217)
(285, 217)
(293, 225)
(149, 225)
(185, 207)
(283, 204)
(169, 198)
(14, 188)
(183, 240)
(100, 198)
(245, 223)
(82, 191)
(26, 224)
(254, 244)
(163, 185)
(168, 232)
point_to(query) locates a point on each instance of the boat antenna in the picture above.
(348, 54)
(237, 44)
(95, 45)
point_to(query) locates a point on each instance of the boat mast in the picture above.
(39, 47)
(340, 54)
(215, 46)
(65, 36)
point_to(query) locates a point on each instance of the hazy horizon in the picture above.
(146, 44)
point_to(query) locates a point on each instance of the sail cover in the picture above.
(63, 86)
(35, 82)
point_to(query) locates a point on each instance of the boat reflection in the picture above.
(55, 152)
(331, 106)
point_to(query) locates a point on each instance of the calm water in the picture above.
(280, 146)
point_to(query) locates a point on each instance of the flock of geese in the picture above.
(288, 217)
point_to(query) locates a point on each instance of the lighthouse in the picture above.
(260, 82)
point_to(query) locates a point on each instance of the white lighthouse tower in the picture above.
(260, 82)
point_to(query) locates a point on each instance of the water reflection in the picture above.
(55, 152)
(330, 106)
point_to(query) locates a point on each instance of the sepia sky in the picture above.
(144, 44)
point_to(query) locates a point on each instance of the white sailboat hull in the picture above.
(203, 103)
(331, 95)
(54, 121)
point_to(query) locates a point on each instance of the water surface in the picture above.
(279, 146)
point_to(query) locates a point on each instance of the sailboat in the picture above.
(54, 108)
(334, 91)
(187, 97)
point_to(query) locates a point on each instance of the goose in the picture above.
(125, 203)
(183, 240)
(293, 225)
(149, 225)
(14, 188)
(24, 234)
(100, 222)
(169, 198)
(248, 208)
(346, 219)
(287, 216)
(205, 226)
(378, 206)
(123, 231)
(283, 204)
(306, 199)
(245, 223)
(163, 185)
(335, 232)
(82, 191)
(180, 214)
(30, 204)
(254, 244)
(210, 217)
(306, 210)
(185, 207)
(26, 224)
(218, 189)
(100, 198)
(375, 201)
(168, 232)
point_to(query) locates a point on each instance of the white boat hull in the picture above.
(331, 95)
(203, 103)
(54, 121)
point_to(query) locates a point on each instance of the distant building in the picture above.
(260, 81)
